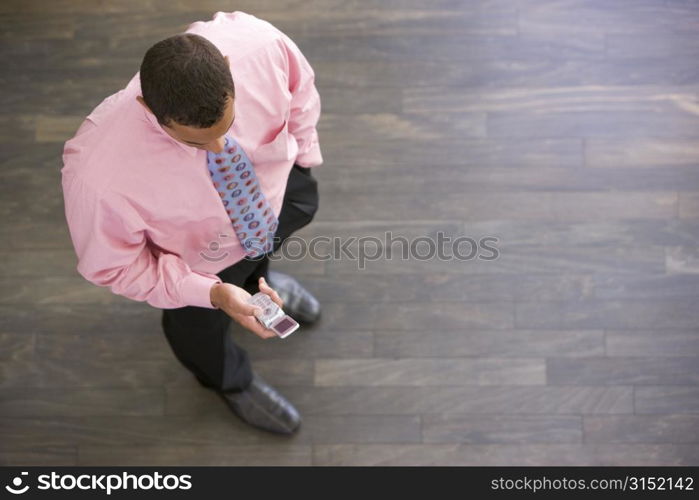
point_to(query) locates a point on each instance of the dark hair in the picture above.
(185, 79)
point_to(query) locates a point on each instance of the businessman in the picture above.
(179, 186)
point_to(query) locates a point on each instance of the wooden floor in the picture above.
(567, 129)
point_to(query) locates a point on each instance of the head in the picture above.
(187, 84)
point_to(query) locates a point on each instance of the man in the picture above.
(179, 186)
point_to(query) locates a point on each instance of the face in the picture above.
(209, 139)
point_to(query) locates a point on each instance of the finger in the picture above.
(265, 288)
(255, 327)
(262, 332)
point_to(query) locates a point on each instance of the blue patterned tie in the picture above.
(235, 181)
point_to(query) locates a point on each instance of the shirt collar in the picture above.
(190, 150)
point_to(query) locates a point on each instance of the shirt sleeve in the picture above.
(305, 105)
(113, 251)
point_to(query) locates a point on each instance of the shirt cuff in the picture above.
(311, 158)
(196, 290)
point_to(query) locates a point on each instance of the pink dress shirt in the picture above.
(143, 214)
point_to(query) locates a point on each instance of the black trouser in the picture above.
(199, 336)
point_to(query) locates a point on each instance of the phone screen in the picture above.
(284, 325)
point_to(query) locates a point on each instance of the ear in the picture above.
(143, 102)
(227, 61)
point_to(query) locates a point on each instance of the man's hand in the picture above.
(233, 300)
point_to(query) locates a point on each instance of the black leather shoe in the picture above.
(261, 406)
(298, 302)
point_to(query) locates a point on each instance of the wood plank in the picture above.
(217, 428)
(466, 180)
(45, 456)
(444, 149)
(56, 128)
(66, 96)
(508, 71)
(579, 16)
(17, 128)
(89, 373)
(446, 286)
(630, 259)
(419, 316)
(666, 399)
(365, 128)
(284, 371)
(441, 148)
(669, 121)
(305, 265)
(357, 316)
(646, 286)
(371, 19)
(680, 429)
(669, 45)
(28, 167)
(54, 56)
(38, 262)
(514, 206)
(34, 235)
(87, 6)
(451, 48)
(488, 343)
(108, 347)
(311, 342)
(646, 370)
(551, 101)
(362, 428)
(70, 289)
(652, 342)
(613, 314)
(19, 26)
(508, 455)
(16, 345)
(275, 371)
(123, 316)
(429, 372)
(73, 402)
(211, 455)
(401, 400)
(642, 153)
(342, 101)
(682, 259)
(483, 429)
(401, 237)
(688, 205)
(607, 233)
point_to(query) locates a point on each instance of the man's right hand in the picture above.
(233, 300)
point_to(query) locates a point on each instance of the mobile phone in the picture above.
(273, 316)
